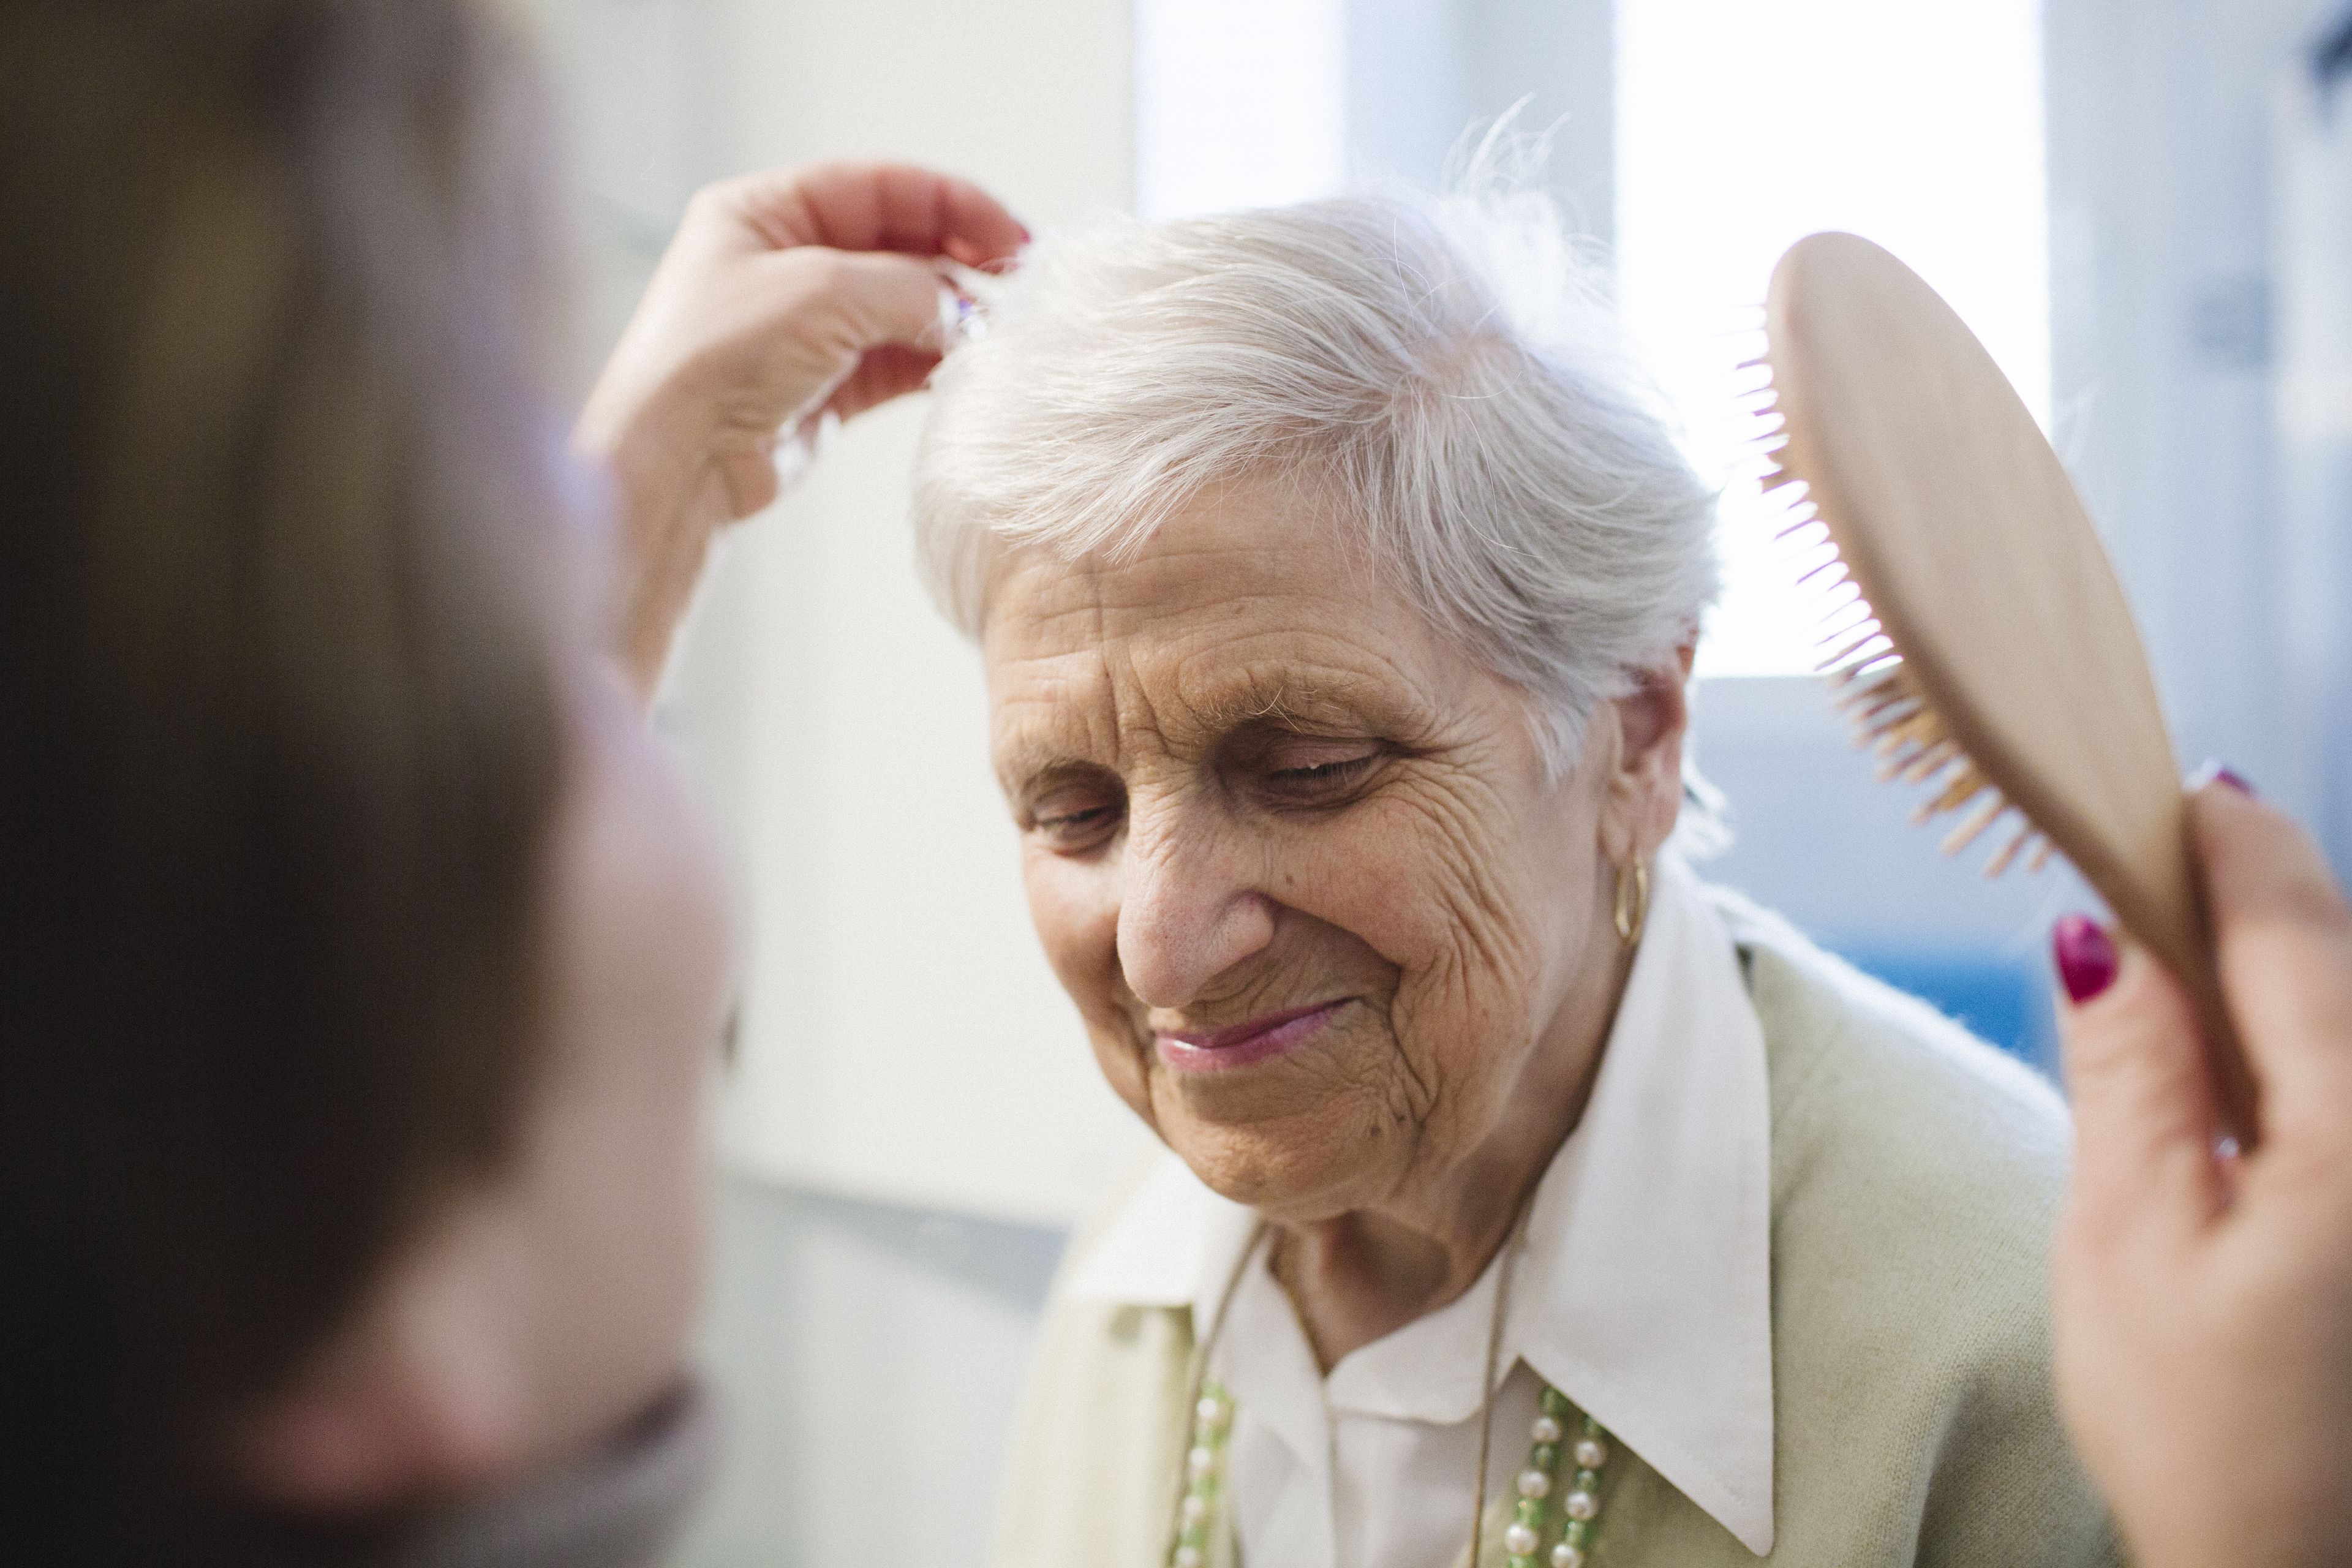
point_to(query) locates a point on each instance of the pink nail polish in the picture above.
(2214, 772)
(2086, 957)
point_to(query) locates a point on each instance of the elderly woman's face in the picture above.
(1296, 857)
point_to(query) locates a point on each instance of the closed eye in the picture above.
(1333, 772)
(1327, 781)
(1078, 816)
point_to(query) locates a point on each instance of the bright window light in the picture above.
(1742, 128)
(1237, 104)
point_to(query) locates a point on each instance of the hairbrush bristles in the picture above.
(1892, 717)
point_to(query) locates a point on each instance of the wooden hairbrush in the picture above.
(1990, 655)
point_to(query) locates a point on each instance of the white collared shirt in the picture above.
(1643, 1292)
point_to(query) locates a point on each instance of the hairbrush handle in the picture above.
(2179, 932)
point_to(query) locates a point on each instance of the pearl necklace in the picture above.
(1204, 1480)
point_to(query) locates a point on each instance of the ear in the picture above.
(1643, 791)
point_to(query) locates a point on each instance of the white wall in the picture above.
(869, 1360)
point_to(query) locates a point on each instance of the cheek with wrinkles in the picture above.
(1466, 942)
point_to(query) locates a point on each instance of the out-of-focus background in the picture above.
(2143, 207)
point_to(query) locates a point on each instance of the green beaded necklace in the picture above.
(1530, 1528)
(1580, 1509)
(1202, 1486)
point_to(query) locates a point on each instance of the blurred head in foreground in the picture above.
(364, 961)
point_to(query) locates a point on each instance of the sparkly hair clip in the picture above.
(965, 294)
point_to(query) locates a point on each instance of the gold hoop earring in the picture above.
(1632, 902)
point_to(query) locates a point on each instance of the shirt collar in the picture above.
(1644, 1292)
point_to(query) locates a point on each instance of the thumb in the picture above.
(2144, 1116)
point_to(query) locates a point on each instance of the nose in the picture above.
(1190, 906)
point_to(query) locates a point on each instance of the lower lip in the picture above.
(1183, 1056)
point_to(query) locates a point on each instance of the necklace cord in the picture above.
(1486, 1388)
(1196, 1378)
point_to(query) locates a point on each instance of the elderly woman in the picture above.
(1337, 594)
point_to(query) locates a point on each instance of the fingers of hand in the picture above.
(2283, 936)
(2144, 1112)
(813, 330)
(853, 301)
(887, 372)
(876, 207)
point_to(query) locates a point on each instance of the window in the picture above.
(1743, 127)
(1238, 103)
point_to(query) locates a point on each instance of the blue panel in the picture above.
(2001, 997)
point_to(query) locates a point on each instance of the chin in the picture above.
(1294, 1168)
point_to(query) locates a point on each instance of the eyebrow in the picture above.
(1030, 770)
(1243, 709)
(1283, 701)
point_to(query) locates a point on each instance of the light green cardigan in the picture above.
(1915, 1174)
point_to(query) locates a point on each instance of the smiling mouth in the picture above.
(1186, 1050)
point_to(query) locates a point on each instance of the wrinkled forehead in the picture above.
(1231, 611)
(1234, 564)
(1225, 541)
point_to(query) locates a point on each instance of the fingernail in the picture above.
(1026, 238)
(2086, 957)
(2216, 771)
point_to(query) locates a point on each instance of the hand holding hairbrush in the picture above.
(1990, 655)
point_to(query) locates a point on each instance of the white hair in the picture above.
(1443, 378)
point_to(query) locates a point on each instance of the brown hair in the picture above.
(282, 739)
